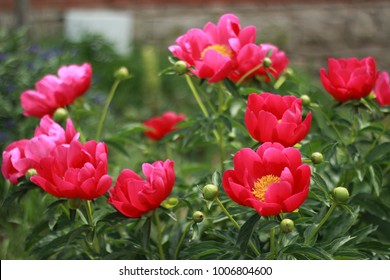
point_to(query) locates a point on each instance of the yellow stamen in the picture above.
(262, 184)
(222, 49)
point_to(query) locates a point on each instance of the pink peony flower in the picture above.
(211, 51)
(53, 92)
(158, 127)
(75, 171)
(274, 118)
(134, 196)
(349, 78)
(382, 89)
(251, 57)
(15, 164)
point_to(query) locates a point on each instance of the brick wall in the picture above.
(309, 31)
(7, 5)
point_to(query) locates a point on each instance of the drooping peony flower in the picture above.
(53, 92)
(211, 51)
(250, 60)
(382, 89)
(15, 164)
(134, 196)
(272, 180)
(158, 127)
(274, 118)
(349, 78)
(75, 171)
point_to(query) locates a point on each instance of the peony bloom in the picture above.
(211, 51)
(15, 164)
(271, 180)
(251, 56)
(75, 171)
(158, 127)
(274, 118)
(382, 89)
(47, 136)
(349, 78)
(53, 92)
(134, 196)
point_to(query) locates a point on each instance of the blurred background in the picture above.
(38, 36)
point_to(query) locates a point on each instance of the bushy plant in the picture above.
(269, 167)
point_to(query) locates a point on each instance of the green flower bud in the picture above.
(267, 62)
(317, 158)
(122, 73)
(60, 115)
(31, 172)
(287, 225)
(210, 192)
(341, 194)
(198, 216)
(180, 67)
(305, 100)
(170, 202)
(74, 203)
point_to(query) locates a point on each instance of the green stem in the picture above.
(95, 242)
(105, 109)
(187, 228)
(272, 241)
(159, 236)
(221, 142)
(247, 74)
(324, 219)
(196, 95)
(257, 252)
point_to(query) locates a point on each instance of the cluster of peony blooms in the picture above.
(226, 50)
(272, 179)
(58, 162)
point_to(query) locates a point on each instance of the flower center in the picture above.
(262, 184)
(222, 49)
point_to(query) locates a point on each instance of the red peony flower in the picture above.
(271, 180)
(211, 50)
(134, 196)
(75, 171)
(158, 127)
(349, 78)
(251, 56)
(53, 92)
(274, 118)
(15, 164)
(382, 89)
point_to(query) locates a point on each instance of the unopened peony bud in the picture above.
(289, 73)
(198, 216)
(31, 172)
(180, 67)
(341, 194)
(122, 73)
(305, 100)
(210, 192)
(317, 158)
(267, 62)
(74, 203)
(60, 115)
(287, 225)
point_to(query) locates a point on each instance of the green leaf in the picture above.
(379, 153)
(216, 178)
(303, 252)
(246, 232)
